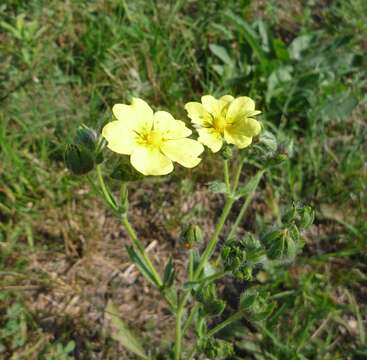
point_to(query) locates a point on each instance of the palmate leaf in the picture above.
(120, 332)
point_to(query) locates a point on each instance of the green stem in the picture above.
(189, 319)
(106, 194)
(141, 248)
(191, 265)
(236, 316)
(179, 334)
(134, 238)
(208, 252)
(226, 176)
(244, 207)
(238, 173)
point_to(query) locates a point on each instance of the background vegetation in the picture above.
(63, 63)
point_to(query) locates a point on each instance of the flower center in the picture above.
(219, 123)
(149, 137)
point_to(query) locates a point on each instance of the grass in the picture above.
(66, 63)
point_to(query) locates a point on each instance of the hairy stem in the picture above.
(179, 333)
(226, 176)
(244, 207)
(208, 252)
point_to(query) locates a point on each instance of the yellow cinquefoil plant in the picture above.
(226, 118)
(153, 142)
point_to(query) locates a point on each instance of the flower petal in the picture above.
(150, 161)
(197, 113)
(210, 103)
(240, 107)
(241, 132)
(120, 138)
(211, 138)
(144, 114)
(227, 98)
(248, 127)
(183, 151)
(124, 113)
(239, 140)
(169, 127)
(136, 116)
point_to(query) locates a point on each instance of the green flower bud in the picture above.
(242, 257)
(86, 137)
(78, 159)
(191, 235)
(269, 140)
(215, 348)
(211, 304)
(307, 217)
(226, 152)
(289, 215)
(274, 243)
(275, 161)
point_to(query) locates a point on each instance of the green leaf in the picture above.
(139, 262)
(221, 53)
(280, 49)
(247, 299)
(121, 333)
(250, 36)
(299, 45)
(340, 106)
(250, 186)
(169, 274)
(217, 187)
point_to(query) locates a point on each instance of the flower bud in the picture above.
(78, 159)
(86, 137)
(276, 160)
(307, 217)
(191, 236)
(226, 152)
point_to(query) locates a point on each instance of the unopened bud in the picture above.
(86, 137)
(226, 152)
(78, 160)
(191, 236)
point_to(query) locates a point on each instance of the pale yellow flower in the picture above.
(153, 140)
(225, 119)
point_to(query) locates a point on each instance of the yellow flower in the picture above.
(225, 118)
(153, 140)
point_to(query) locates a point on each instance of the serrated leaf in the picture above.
(120, 332)
(217, 187)
(247, 299)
